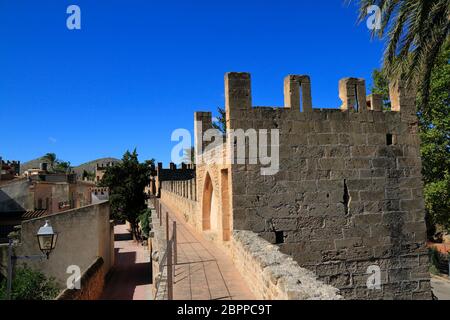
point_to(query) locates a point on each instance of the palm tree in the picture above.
(50, 157)
(416, 31)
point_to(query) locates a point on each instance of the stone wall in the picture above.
(214, 185)
(183, 188)
(92, 284)
(158, 246)
(185, 206)
(84, 234)
(348, 194)
(272, 275)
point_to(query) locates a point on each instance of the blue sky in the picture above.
(138, 69)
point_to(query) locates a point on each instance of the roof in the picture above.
(34, 214)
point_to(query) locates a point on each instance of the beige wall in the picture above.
(73, 195)
(83, 235)
(183, 206)
(343, 199)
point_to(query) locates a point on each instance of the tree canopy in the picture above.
(126, 182)
(434, 123)
(415, 33)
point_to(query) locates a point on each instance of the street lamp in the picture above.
(46, 238)
(47, 242)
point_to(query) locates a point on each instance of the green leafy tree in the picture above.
(29, 284)
(416, 31)
(434, 124)
(57, 165)
(144, 222)
(62, 166)
(381, 87)
(88, 175)
(221, 123)
(150, 162)
(127, 181)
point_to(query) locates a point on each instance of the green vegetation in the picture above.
(51, 158)
(434, 124)
(126, 182)
(57, 165)
(438, 261)
(29, 284)
(88, 175)
(221, 123)
(415, 33)
(144, 222)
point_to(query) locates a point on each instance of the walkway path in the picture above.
(441, 287)
(130, 277)
(203, 270)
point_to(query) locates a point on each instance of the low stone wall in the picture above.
(158, 245)
(183, 206)
(92, 284)
(83, 235)
(272, 275)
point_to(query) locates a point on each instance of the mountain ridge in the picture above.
(89, 166)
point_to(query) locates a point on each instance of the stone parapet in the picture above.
(272, 275)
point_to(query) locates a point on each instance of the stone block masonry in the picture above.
(348, 194)
(272, 275)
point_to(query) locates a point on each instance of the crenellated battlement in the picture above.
(99, 190)
(298, 96)
(9, 168)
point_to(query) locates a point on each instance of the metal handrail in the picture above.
(169, 259)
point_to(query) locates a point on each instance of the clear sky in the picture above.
(138, 69)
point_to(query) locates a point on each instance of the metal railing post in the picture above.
(10, 273)
(169, 260)
(167, 227)
(169, 272)
(174, 238)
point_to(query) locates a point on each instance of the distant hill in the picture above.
(91, 165)
(88, 166)
(32, 164)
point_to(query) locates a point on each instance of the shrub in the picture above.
(29, 284)
(144, 221)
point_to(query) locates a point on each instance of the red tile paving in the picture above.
(204, 271)
(131, 275)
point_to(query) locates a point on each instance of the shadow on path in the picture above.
(131, 276)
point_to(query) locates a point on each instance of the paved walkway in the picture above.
(203, 270)
(441, 287)
(130, 277)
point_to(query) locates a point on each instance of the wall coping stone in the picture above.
(280, 270)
